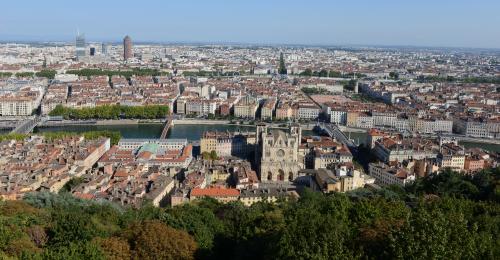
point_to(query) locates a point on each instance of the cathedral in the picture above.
(277, 154)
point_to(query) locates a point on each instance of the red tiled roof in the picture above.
(214, 192)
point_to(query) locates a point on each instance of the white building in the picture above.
(338, 117)
(385, 175)
(308, 111)
(16, 106)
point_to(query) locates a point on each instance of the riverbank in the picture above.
(110, 122)
(197, 123)
(200, 122)
(160, 121)
(353, 129)
(232, 123)
(193, 132)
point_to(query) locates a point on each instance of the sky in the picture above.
(434, 23)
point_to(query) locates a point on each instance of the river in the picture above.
(194, 132)
(190, 132)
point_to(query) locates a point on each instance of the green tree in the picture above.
(198, 221)
(307, 72)
(433, 232)
(50, 74)
(114, 248)
(5, 74)
(155, 240)
(334, 74)
(205, 155)
(394, 75)
(317, 228)
(323, 73)
(112, 112)
(213, 155)
(24, 74)
(75, 250)
(75, 181)
(446, 216)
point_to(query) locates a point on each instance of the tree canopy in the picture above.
(114, 136)
(434, 218)
(125, 73)
(112, 112)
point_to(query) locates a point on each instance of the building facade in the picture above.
(127, 48)
(277, 153)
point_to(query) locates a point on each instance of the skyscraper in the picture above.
(127, 48)
(104, 49)
(80, 46)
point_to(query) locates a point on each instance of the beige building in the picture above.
(268, 109)
(352, 119)
(451, 156)
(323, 159)
(16, 106)
(251, 196)
(388, 175)
(88, 157)
(284, 111)
(238, 144)
(220, 142)
(246, 108)
(340, 178)
(223, 195)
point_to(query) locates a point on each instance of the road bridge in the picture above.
(333, 131)
(27, 125)
(166, 127)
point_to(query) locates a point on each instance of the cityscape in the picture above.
(133, 148)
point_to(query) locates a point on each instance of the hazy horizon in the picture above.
(443, 24)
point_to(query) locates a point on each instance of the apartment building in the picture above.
(220, 142)
(477, 127)
(340, 178)
(284, 111)
(267, 110)
(237, 144)
(308, 111)
(246, 108)
(16, 106)
(390, 175)
(338, 117)
(451, 156)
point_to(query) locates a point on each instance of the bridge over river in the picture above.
(333, 131)
(27, 125)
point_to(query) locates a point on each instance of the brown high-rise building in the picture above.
(127, 48)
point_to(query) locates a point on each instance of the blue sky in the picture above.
(453, 23)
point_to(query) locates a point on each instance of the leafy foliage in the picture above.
(25, 74)
(50, 74)
(13, 136)
(112, 112)
(484, 185)
(204, 73)
(5, 74)
(155, 240)
(448, 216)
(75, 181)
(323, 73)
(315, 91)
(114, 136)
(125, 73)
